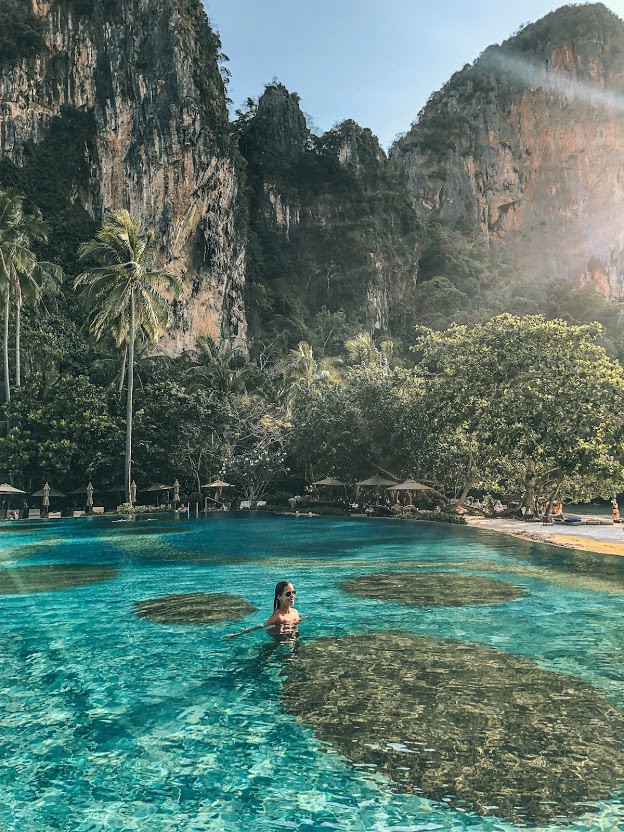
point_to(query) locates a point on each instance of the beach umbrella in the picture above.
(329, 482)
(133, 492)
(5, 488)
(218, 485)
(90, 495)
(46, 492)
(375, 482)
(83, 490)
(176, 492)
(411, 486)
(157, 487)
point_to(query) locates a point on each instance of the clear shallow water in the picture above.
(112, 722)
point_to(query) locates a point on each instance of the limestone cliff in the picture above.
(528, 142)
(332, 226)
(140, 79)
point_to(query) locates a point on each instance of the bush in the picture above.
(436, 517)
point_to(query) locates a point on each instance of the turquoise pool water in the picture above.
(113, 722)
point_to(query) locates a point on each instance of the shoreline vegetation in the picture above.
(454, 412)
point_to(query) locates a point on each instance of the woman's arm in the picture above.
(248, 630)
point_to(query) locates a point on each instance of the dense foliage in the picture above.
(379, 341)
(512, 404)
(21, 33)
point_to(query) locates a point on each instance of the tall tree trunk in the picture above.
(464, 494)
(528, 501)
(7, 380)
(18, 337)
(128, 470)
(123, 371)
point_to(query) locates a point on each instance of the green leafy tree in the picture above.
(525, 389)
(65, 434)
(255, 451)
(179, 432)
(125, 293)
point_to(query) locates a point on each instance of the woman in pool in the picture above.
(283, 622)
(285, 617)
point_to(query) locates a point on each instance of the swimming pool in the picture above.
(113, 721)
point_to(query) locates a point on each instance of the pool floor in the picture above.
(113, 721)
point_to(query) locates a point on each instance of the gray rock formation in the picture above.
(147, 71)
(528, 142)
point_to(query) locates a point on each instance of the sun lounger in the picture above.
(54, 515)
(98, 510)
(261, 503)
(245, 504)
(34, 513)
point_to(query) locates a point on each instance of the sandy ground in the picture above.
(608, 540)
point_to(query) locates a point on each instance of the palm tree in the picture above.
(21, 273)
(217, 367)
(125, 294)
(362, 350)
(300, 371)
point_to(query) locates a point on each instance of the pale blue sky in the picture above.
(376, 61)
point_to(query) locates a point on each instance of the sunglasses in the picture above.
(290, 593)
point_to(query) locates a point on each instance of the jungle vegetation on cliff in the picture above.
(378, 338)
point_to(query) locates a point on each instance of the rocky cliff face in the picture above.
(143, 76)
(528, 142)
(332, 226)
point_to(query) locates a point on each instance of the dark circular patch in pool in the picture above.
(478, 728)
(432, 589)
(22, 580)
(194, 608)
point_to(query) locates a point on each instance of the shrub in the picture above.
(437, 517)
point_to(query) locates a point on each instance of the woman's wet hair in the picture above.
(279, 589)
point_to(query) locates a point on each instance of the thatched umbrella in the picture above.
(5, 488)
(411, 486)
(45, 493)
(158, 488)
(218, 485)
(375, 482)
(330, 482)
